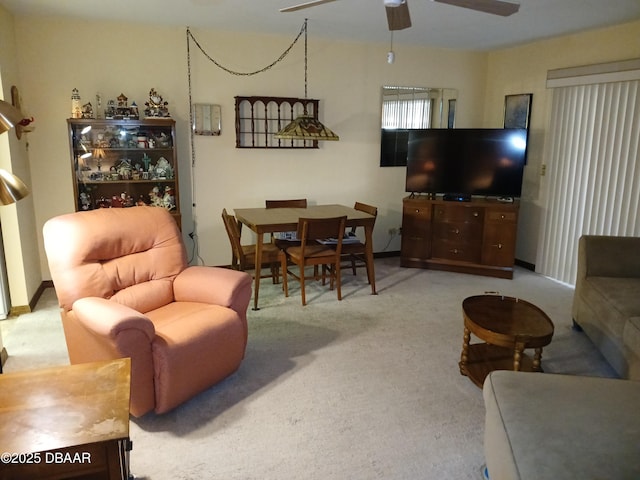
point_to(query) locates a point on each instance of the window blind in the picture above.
(406, 107)
(592, 158)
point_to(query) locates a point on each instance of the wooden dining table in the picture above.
(272, 220)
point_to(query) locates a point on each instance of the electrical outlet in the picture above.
(543, 169)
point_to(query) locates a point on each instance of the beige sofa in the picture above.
(541, 426)
(606, 303)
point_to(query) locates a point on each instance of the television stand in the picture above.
(478, 236)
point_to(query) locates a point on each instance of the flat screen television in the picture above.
(487, 162)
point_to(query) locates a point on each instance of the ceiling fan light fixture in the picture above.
(393, 3)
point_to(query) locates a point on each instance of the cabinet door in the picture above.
(122, 163)
(416, 230)
(499, 238)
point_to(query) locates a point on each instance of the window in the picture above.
(406, 107)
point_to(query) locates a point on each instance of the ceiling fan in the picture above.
(398, 10)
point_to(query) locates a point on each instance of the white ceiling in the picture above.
(434, 24)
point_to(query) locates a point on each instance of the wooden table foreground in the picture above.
(66, 422)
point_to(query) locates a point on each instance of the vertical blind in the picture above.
(406, 108)
(592, 158)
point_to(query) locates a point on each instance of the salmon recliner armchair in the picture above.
(125, 290)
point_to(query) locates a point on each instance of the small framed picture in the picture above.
(517, 110)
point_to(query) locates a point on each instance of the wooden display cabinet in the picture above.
(469, 237)
(124, 163)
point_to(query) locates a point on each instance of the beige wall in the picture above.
(18, 221)
(114, 58)
(524, 70)
(57, 55)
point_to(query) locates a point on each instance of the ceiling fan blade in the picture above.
(305, 5)
(398, 17)
(495, 7)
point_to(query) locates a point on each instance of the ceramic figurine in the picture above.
(98, 105)
(85, 201)
(163, 169)
(146, 160)
(110, 111)
(169, 199)
(164, 140)
(87, 110)
(155, 198)
(116, 202)
(76, 110)
(156, 106)
(133, 111)
(124, 169)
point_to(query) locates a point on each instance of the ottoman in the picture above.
(542, 426)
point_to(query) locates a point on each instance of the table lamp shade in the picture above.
(9, 116)
(305, 127)
(12, 188)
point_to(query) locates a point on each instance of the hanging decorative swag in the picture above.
(304, 127)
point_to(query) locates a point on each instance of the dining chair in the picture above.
(285, 239)
(312, 232)
(296, 203)
(353, 250)
(243, 257)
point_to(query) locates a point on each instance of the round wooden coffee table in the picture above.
(508, 326)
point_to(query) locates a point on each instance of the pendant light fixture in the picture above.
(305, 126)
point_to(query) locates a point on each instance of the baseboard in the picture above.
(17, 310)
(395, 253)
(527, 265)
(3, 357)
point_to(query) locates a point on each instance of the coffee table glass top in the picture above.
(507, 316)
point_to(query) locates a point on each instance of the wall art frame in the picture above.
(517, 110)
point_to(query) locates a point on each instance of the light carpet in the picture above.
(366, 388)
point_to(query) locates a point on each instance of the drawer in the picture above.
(416, 220)
(458, 251)
(457, 231)
(501, 216)
(457, 213)
(422, 212)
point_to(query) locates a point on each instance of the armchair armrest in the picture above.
(608, 256)
(214, 285)
(115, 330)
(108, 318)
